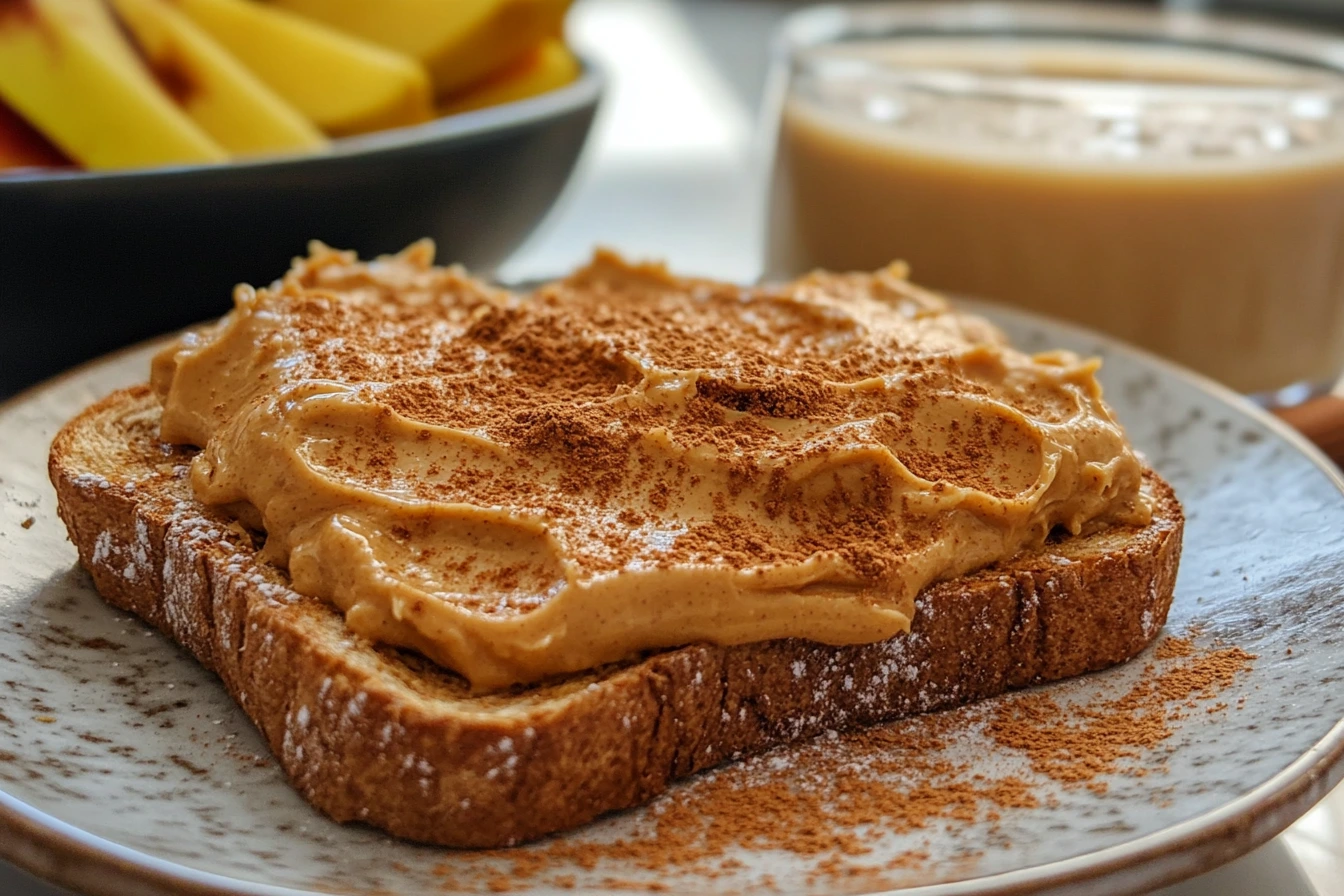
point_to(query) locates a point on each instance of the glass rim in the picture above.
(817, 26)
(1310, 101)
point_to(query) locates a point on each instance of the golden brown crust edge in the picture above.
(368, 734)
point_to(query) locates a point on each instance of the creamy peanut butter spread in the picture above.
(519, 487)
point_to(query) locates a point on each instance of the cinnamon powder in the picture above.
(833, 800)
(719, 425)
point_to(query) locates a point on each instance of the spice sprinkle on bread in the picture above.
(631, 524)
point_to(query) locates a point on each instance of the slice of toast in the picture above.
(384, 736)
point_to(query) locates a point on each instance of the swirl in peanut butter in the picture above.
(520, 487)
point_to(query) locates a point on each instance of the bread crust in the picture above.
(379, 735)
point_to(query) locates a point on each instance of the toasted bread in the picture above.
(383, 736)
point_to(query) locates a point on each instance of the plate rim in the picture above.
(64, 854)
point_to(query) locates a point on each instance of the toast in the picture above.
(377, 734)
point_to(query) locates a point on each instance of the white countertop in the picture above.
(673, 171)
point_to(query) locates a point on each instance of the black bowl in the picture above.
(90, 261)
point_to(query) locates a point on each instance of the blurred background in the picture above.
(676, 164)
(655, 137)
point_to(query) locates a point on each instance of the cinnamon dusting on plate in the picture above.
(834, 800)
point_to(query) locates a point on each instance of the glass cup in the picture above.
(1172, 179)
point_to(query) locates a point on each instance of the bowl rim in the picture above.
(584, 91)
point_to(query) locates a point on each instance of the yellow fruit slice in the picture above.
(459, 41)
(216, 90)
(344, 84)
(548, 66)
(67, 70)
(23, 146)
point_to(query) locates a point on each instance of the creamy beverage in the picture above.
(1189, 200)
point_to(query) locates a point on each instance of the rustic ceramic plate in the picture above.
(124, 768)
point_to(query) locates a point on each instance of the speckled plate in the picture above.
(124, 768)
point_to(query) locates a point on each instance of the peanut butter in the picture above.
(525, 486)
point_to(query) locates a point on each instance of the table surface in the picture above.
(678, 134)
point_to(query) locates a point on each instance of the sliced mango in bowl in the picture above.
(140, 83)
